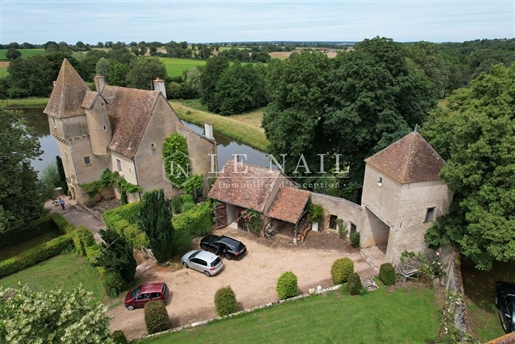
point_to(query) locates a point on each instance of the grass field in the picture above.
(24, 52)
(175, 67)
(245, 128)
(479, 292)
(383, 316)
(64, 271)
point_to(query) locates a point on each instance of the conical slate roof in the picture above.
(409, 160)
(68, 93)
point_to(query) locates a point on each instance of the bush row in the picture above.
(123, 220)
(196, 221)
(35, 255)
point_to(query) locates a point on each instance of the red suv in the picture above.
(140, 295)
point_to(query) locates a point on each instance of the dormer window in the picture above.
(380, 181)
(130, 145)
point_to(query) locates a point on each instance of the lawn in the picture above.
(24, 52)
(479, 295)
(175, 67)
(405, 315)
(64, 271)
(245, 128)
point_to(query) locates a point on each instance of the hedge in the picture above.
(32, 230)
(92, 253)
(35, 255)
(82, 239)
(196, 221)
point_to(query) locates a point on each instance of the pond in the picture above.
(225, 145)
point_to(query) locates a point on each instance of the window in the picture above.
(66, 156)
(53, 122)
(119, 165)
(430, 214)
(332, 221)
(352, 228)
(380, 181)
(153, 146)
(130, 171)
(87, 160)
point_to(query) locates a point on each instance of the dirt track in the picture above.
(253, 278)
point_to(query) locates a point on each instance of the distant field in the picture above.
(174, 67)
(24, 52)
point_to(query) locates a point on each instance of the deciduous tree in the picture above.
(477, 140)
(20, 200)
(52, 317)
(143, 71)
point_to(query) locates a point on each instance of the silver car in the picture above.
(203, 261)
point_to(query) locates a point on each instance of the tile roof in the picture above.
(129, 111)
(289, 204)
(248, 186)
(409, 160)
(68, 93)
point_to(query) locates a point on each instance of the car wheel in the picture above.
(502, 322)
(204, 247)
(207, 273)
(130, 307)
(228, 256)
(185, 265)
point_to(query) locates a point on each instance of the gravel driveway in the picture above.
(253, 277)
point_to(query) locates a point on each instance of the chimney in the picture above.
(159, 85)
(208, 130)
(99, 83)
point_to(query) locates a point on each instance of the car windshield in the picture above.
(135, 292)
(216, 261)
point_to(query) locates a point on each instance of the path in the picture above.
(77, 216)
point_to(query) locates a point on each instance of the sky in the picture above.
(93, 21)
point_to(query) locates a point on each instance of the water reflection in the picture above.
(225, 145)
(39, 121)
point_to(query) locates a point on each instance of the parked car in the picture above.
(144, 293)
(505, 301)
(224, 245)
(203, 261)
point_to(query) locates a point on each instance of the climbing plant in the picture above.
(175, 156)
(253, 221)
(107, 179)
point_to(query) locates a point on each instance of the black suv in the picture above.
(223, 245)
(505, 301)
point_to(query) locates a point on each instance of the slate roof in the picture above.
(129, 111)
(67, 94)
(409, 160)
(249, 187)
(289, 204)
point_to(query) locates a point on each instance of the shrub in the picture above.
(354, 239)
(354, 285)
(156, 317)
(93, 252)
(32, 230)
(182, 241)
(187, 206)
(119, 337)
(196, 221)
(83, 239)
(287, 285)
(341, 270)
(225, 301)
(112, 282)
(387, 274)
(35, 255)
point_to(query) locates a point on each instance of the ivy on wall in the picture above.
(107, 179)
(175, 156)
